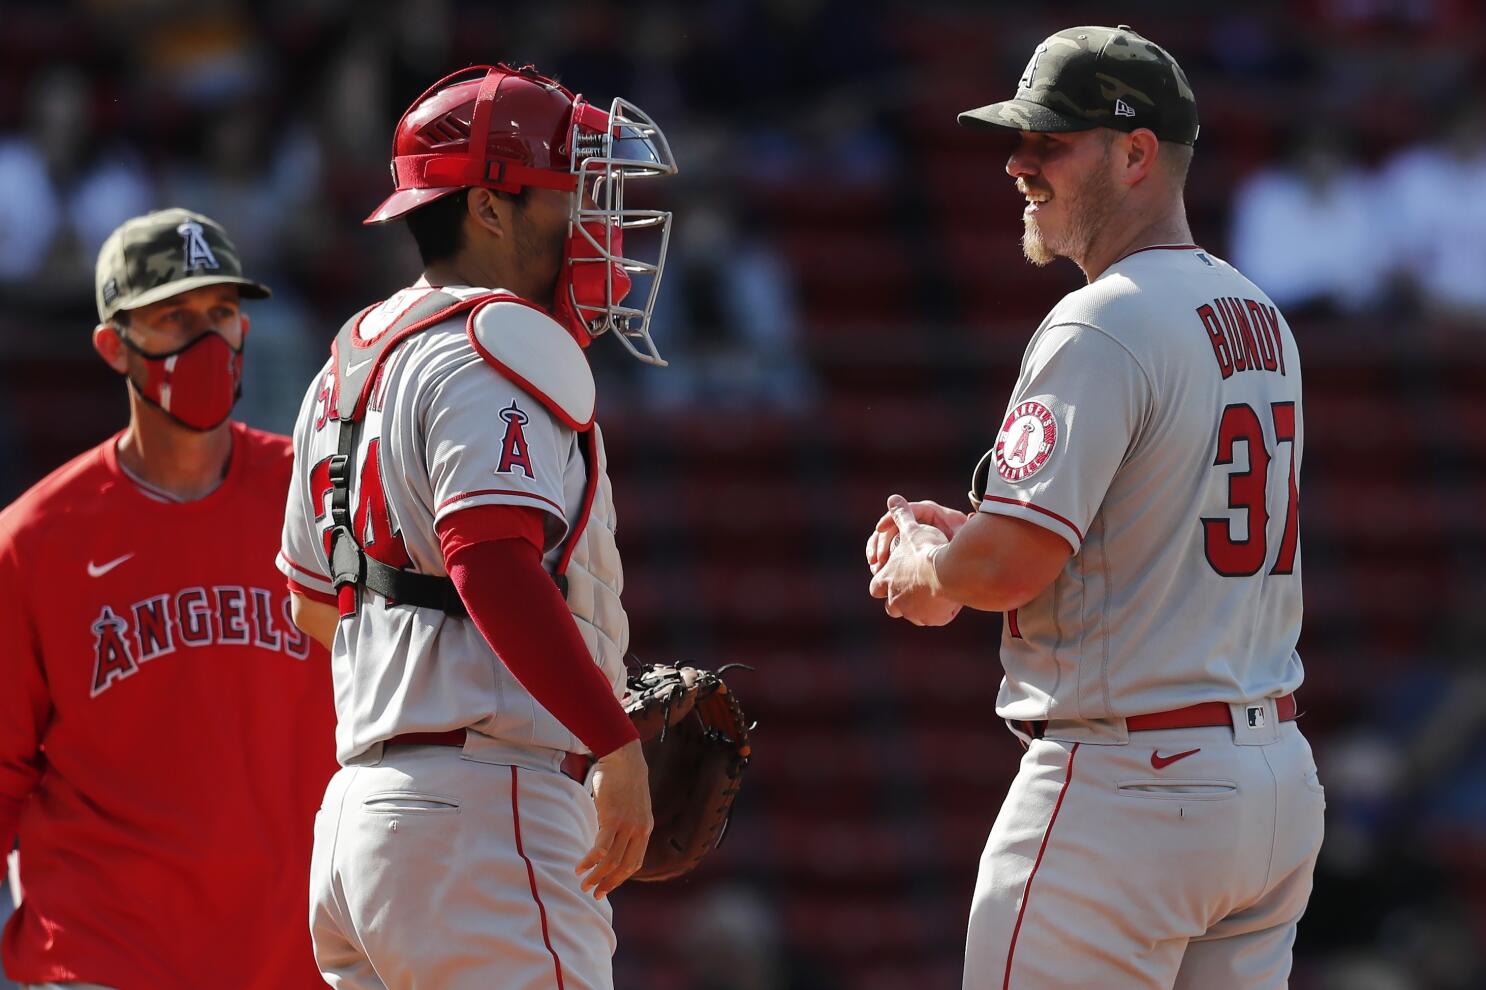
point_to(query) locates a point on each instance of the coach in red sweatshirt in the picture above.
(166, 731)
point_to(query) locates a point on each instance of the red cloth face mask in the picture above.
(196, 384)
(585, 284)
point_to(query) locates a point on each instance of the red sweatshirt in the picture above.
(166, 732)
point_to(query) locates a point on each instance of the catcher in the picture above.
(450, 532)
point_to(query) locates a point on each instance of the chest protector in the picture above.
(528, 348)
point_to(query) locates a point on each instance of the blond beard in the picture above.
(1089, 208)
(1033, 246)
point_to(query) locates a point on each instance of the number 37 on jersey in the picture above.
(1256, 450)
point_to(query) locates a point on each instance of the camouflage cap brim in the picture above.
(246, 288)
(1022, 115)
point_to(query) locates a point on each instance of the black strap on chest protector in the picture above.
(350, 564)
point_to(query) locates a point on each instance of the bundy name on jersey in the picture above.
(124, 638)
(1245, 335)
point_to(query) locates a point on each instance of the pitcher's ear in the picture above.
(1140, 154)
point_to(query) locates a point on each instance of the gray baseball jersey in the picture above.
(449, 426)
(1156, 426)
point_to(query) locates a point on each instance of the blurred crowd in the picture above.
(277, 117)
(1327, 235)
(1342, 166)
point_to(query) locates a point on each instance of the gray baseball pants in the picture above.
(1113, 865)
(435, 871)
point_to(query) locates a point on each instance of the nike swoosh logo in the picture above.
(351, 369)
(1162, 762)
(98, 570)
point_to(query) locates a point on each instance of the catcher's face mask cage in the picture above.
(626, 144)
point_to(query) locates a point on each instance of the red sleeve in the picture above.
(24, 701)
(525, 620)
(311, 593)
(488, 523)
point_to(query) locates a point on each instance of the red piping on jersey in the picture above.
(590, 489)
(1158, 247)
(313, 594)
(1027, 889)
(500, 366)
(1035, 508)
(496, 491)
(302, 569)
(1012, 626)
(531, 876)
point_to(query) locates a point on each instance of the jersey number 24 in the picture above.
(372, 522)
(1248, 492)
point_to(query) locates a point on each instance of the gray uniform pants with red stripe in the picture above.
(433, 871)
(1115, 866)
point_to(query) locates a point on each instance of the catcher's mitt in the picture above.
(695, 739)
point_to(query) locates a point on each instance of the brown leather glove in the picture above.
(695, 739)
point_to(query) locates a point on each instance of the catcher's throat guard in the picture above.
(600, 270)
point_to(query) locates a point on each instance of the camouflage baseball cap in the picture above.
(163, 254)
(1087, 77)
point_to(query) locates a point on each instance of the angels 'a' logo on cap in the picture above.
(1031, 70)
(198, 251)
(1027, 440)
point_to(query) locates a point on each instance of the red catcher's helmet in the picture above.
(511, 128)
(504, 129)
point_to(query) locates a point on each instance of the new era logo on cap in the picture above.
(1123, 109)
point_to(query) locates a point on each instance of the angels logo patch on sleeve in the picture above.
(1027, 439)
(515, 455)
